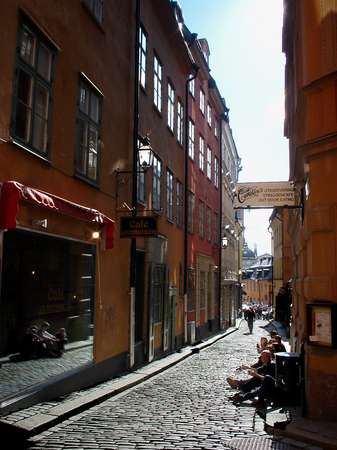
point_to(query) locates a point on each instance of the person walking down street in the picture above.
(250, 317)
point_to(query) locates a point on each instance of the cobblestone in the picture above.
(185, 407)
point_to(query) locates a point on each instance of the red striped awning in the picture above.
(13, 192)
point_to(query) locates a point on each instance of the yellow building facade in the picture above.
(310, 46)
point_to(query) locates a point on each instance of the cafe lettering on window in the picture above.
(131, 227)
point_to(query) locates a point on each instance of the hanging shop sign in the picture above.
(266, 195)
(132, 227)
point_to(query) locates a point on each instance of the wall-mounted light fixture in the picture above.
(95, 235)
(145, 153)
(224, 242)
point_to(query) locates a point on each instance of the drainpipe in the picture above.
(191, 78)
(133, 249)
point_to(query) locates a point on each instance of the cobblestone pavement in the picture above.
(185, 407)
(16, 376)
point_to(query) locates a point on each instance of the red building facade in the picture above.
(205, 112)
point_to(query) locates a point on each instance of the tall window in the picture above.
(169, 195)
(191, 87)
(201, 219)
(156, 182)
(191, 139)
(170, 106)
(216, 230)
(209, 224)
(180, 204)
(142, 57)
(140, 184)
(216, 172)
(209, 163)
(215, 128)
(180, 122)
(33, 91)
(190, 216)
(96, 8)
(201, 153)
(202, 102)
(88, 129)
(209, 115)
(157, 82)
(202, 289)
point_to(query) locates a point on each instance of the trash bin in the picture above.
(288, 375)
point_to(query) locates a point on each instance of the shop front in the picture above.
(48, 288)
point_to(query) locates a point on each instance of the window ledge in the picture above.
(29, 150)
(86, 180)
(160, 114)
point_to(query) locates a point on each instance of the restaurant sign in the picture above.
(141, 226)
(266, 195)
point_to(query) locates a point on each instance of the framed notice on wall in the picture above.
(322, 324)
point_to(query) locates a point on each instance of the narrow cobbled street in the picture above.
(186, 407)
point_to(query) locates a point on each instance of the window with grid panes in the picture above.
(202, 289)
(157, 82)
(170, 106)
(201, 219)
(142, 57)
(179, 204)
(209, 115)
(191, 87)
(209, 163)
(191, 139)
(216, 230)
(140, 183)
(202, 101)
(169, 195)
(33, 89)
(201, 153)
(209, 224)
(190, 215)
(216, 172)
(180, 122)
(88, 131)
(156, 184)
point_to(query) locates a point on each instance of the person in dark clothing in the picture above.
(262, 383)
(250, 317)
(263, 367)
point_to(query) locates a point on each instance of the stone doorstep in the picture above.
(313, 438)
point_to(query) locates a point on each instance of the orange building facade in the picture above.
(309, 43)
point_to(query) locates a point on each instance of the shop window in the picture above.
(48, 287)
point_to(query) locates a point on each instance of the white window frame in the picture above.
(157, 82)
(170, 105)
(180, 122)
(191, 129)
(156, 184)
(209, 115)
(209, 163)
(169, 195)
(201, 219)
(179, 204)
(201, 153)
(142, 56)
(216, 172)
(202, 101)
(191, 87)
